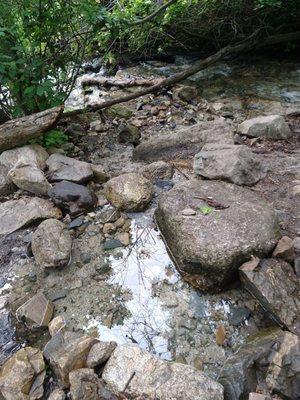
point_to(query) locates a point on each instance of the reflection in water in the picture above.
(143, 264)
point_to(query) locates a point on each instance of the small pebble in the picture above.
(188, 212)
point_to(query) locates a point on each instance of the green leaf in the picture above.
(206, 210)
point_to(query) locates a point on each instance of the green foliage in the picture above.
(206, 210)
(41, 49)
(53, 138)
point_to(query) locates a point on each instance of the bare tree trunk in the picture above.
(18, 131)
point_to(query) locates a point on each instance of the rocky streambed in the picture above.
(167, 262)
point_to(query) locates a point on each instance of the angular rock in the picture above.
(7, 187)
(100, 353)
(185, 93)
(22, 376)
(258, 396)
(129, 192)
(72, 198)
(29, 178)
(57, 394)
(56, 325)
(100, 176)
(119, 111)
(269, 355)
(185, 142)
(14, 214)
(284, 249)
(158, 170)
(236, 164)
(209, 247)
(274, 284)
(85, 385)
(33, 154)
(62, 168)
(66, 352)
(137, 372)
(129, 134)
(37, 311)
(270, 127)
(51, 244)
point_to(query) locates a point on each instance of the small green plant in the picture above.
(54, 138)
(206, 210)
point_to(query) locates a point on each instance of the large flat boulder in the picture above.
(29, 178)
(51, 244)
(274, 284)
(268, 362)
(61, 168)
(138, 373)
(228, 162)
(33, 154)
(22, 375)
(185, 142)
(230, 224)
(271, 127)
(15, 214)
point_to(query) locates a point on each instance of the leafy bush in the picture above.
(42, 45)
(52, 138)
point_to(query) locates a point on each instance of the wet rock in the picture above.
(62, 168)
(129, 134)
(100, 353)
(72, 198)
(85, 385)
(129, 192)
(22, 376)
(284, 249)
(220, 335)
(185, 93)
(111, 244)
(14, 214)
(33, 154)
(273, 283)
(66, 352)
(270, 127)
(7, 187)
(267, 353)
(29, 178)
(238, 315)
(140, 373)
(158, 170)
(76, 223)
(56, 325)
(119, 111)
(209, 247)
(57, 394)
(100, 176)
(164, 184)
(51, 244)
(36, 312)
(185, 142)
(236, 164)
(109, 215)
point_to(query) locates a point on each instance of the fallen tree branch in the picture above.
(122, 83)
(18, 131)
(246, 45)
(154, 14)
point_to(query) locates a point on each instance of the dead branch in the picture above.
(154, 14)
(122, 83)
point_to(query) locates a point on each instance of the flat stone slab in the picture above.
(274, 284)
(15, 214)
(184, 142)
(140, 373)
(209, 247)
(61, 168)
(33, 154)
(271, 127)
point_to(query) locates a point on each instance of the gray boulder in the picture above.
(137, 372)
(231, 224)
(32, 154)
(29, 178)
(57, 394)
(22, 375)
(184, 142)
(72, 198)
(15, 214)
(236, 164)
(61, 168)
(51, 244)
(36, 312)
(7, 187)
(274, 284)
(158, 170)
(270, 127)
(100, 353)
(269, 361)
(129, 192)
